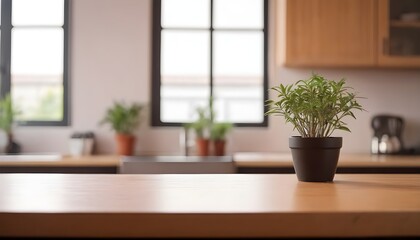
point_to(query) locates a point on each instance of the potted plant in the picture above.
(316, 107)
(201, 128)
(7, 115)
(124, 120)
(218, 134)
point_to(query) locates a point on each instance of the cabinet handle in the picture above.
(385, 46)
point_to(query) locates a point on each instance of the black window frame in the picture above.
(156, 74)
(5, 56)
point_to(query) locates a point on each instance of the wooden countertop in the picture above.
(267, 159)
(241, 159)
(52, 160)
(223, 205)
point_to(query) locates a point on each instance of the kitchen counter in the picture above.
(271, 159)
(54, 163)
(246, 162)
(224, 205)
(56, 160)
(272, 162)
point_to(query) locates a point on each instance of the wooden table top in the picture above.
(223, 205)
(273, 159)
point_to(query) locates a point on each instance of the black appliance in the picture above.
(387, 134)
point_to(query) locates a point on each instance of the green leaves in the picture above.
(123, 119)
(204, 120)
(316, 106)
(218, 131)
(205, 124)
(7, 113)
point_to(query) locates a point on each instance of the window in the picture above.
(204, 48)
(34, 59)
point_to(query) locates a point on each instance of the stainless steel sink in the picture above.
(176, 164)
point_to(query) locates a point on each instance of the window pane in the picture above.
(37, 52)
(37, 73)
(37, 12)
(185, 13)
(240, 104)
(239, 76)
(239, 14)
(185, 82)
(238, 53)
(38, 101)
(180, 101)
(185, 52)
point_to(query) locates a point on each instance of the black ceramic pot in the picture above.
(315, 159)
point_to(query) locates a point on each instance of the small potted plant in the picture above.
(124, 120)
(201, 128)
(218, 134)
(316, 107)
(7, 116)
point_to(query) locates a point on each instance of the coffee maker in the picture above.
(387, 134)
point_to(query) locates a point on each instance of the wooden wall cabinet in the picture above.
(347, 33)
(399, 33)
(325, 33)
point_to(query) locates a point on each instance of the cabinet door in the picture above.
(399, 33)
(329, 33)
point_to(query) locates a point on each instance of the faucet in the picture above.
(184, 141)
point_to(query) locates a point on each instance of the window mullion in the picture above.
(6, 23)
(66, 84)
(211, 48)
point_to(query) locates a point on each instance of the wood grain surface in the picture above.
(231, 205)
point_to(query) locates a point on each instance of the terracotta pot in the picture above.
(202, 145)
(125, 144)
(315, 159)
(219, 147)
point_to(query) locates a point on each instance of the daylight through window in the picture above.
(33, 55)
(206, 48)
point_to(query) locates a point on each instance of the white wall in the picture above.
(111, 60)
